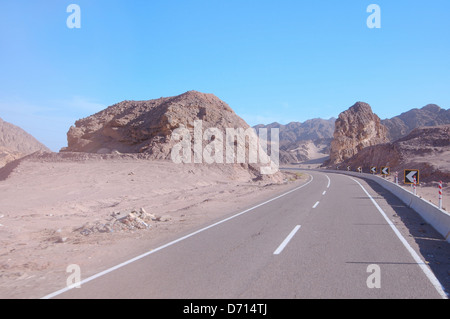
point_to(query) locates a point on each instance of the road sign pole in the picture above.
(440, 195)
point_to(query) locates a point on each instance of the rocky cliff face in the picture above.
(425, 148)
(401, 125)
(355, 129)
(16, 143)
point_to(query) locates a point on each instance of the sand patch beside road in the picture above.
(47, 205)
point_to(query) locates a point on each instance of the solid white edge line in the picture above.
(315, 205)
(431, 277)
(100, 274)
(286, 240)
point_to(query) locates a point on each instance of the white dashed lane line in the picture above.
(286, 241)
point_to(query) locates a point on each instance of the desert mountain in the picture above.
(356, 128)
(425, 148)
(300, 142)
(401, 125)
(16, 143)
(147, 127)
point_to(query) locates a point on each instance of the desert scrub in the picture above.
(296, 176)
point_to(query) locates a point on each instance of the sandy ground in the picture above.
(46, 204)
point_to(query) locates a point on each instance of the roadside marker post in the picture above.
(396, 178)
(440, 195)
(415, 188)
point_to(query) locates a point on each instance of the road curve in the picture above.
(325, 239)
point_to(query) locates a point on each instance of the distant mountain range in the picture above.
(401, 125)
(300, 142)
(310, 130)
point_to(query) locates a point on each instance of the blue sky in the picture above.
(284, 60)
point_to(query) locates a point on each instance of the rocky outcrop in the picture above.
(401, 125)
(16, 143)
(148, 127)
(425, 148)
(355, 129)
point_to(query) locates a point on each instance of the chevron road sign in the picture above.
(410, 174)
(373, 170)
(384, 170)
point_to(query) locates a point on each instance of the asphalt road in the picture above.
(329, 238)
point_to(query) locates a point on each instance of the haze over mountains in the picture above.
(305, 141)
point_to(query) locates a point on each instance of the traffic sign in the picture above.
(360, 169)
(373, 170)
(348, 168)
(410, 174)
(385, 170)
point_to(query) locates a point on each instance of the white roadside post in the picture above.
(396, 178)
(440, 195)
(415, 182)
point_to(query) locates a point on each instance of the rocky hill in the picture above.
(355, 129)
(425, 148)
(148, 126)
(401, 125)
(16, 143)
